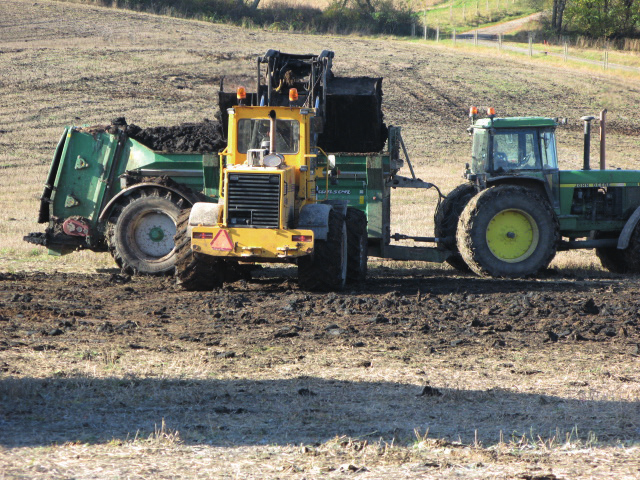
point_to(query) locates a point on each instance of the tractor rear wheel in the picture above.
(446, 221)
(611, 258)
(326, 269)
(194, 272)
(508, 231)
(357, 245)
(140, 235)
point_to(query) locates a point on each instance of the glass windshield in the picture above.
(548, 149)
(479, 151)
(515, 150)
(253, 133)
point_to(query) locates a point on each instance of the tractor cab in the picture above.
(520, 146)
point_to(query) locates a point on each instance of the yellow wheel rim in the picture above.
(512, 235)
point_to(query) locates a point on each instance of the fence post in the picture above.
(530, 45)
(475, 37)
(413, 30)
(453, 36)
(425, 29)
(438, 34)
(565, 51)
(499, 41)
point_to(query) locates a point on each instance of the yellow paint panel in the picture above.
(255, 243)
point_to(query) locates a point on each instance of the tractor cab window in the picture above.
(548, 150)
(514, 150)
(480, 150)
(254, 133)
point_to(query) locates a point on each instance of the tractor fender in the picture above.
(315, 217)
(205, 213)
(129, 190)
(629, 227)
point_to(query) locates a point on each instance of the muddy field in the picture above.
(419, 373)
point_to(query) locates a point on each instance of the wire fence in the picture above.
(560, 48)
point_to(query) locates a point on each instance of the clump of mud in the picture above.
(203, 137)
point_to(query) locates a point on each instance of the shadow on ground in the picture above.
(39, 412)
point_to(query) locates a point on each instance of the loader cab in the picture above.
(268, 170)
(519, 146)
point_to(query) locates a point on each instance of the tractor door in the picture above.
(549, 158)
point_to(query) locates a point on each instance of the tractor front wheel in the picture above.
(508, 231)
(446, 221)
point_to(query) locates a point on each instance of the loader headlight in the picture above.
(273, 160)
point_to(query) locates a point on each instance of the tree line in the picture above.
(596, 18)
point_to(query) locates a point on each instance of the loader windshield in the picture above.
(254, 132)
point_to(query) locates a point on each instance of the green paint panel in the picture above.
(85, 185)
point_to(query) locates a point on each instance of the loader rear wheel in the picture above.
(326, 269)
(194, 272)
(140, 238)
(508, 231)
(446, 221)
(357, 245)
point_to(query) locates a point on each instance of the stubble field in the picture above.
(420, 373)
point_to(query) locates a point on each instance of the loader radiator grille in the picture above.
(254, 200)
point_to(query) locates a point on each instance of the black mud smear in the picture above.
(203, 137)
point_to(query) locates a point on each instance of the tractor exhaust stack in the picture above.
(603, 154)
(587, 141)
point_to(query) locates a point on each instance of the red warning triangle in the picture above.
(222, 241)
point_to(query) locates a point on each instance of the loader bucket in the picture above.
(353, 114)
(354, 120)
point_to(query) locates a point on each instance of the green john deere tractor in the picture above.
(517, 209)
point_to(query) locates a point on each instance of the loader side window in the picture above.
(253, 132)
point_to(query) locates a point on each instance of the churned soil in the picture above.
(527, 357)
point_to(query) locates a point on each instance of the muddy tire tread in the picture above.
(476, 253)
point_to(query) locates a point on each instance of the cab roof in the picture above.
(515, 122)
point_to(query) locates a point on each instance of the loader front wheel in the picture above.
(141, 236)
(508, 231)
(446, 221)
(326, 269)
(194, 272)
(357, 245)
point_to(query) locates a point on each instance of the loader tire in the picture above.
(446, 221)
(194, 272)
(508, 231)
(140, 235)
(357, 245)
(326, 269)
